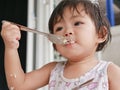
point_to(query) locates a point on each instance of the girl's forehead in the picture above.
(71, 12)
(75, 11)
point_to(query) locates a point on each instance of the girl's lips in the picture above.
(69, 43)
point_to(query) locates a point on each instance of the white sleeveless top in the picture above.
(95, 79)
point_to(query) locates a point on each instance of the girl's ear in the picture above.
(102, 34)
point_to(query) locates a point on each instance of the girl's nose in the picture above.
(68, 34)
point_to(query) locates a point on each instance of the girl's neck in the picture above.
(82, 62)
(79, 68)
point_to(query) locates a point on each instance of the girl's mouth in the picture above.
(69, 41)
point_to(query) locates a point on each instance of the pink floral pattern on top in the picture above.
(95, 79)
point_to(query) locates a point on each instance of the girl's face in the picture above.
(81, 29)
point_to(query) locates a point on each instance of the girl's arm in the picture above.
(14, 73)
(114, 77)
(16, 78)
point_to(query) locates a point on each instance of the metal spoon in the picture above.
(53, 38)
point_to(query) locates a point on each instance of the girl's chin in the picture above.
(72, 53)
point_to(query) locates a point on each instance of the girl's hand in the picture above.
(10, 34)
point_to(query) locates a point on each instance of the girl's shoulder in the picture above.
(55, 64)
(114, 76)
(59, 65)
(113, 69)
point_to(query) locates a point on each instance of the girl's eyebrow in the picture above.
(75, 16)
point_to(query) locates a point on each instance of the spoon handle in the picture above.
(24, 28)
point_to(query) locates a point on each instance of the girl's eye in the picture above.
(77, 23)
(59, 28)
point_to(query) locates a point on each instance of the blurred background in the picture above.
(35, 50)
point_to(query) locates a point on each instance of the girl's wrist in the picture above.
(10, 48)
